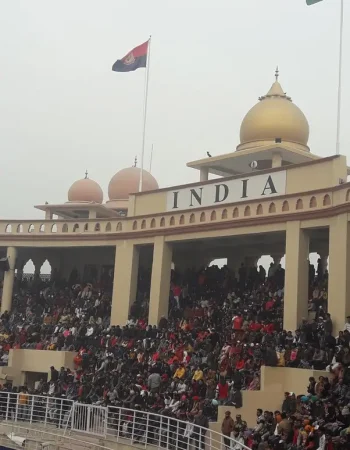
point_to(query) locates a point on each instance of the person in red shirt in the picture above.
(222, 390)
(269, 304)
(255, 326)
(237, 323)
(177, 292)
(269, 328)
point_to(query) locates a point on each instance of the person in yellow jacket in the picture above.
(198, 375)
(180, 372)
(23, 404)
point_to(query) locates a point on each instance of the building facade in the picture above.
(271, 196)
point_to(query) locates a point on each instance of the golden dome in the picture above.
(85, 190)
(275, 117)
(126, 182)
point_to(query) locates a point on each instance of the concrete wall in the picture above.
(275, 381)
(22, 361)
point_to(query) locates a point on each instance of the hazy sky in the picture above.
(62, 109)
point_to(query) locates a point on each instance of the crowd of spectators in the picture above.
(220, 329)
(318, 419)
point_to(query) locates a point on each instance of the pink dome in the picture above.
(126, 182)
(85, 190)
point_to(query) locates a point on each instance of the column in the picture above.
(126, 269)
(160, 280)
(324, 261)
(338, 278)
(20, 267)
(276, 259)
(9, 278)
(234, 262)
(48, 214)
(296, 290)
(204, 174)
(276, 159)
(38, 261)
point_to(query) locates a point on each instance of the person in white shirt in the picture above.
(347, 324)
(322, 440)
(238, 443)
(4, 359)
(89, 331)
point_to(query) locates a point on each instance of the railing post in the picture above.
(168, 433)
(88, 418)
(147, 425)
(177, 435)
(133, 425)
(46, 410)
(119, 422)
(16, 414)
(160, 432)
(8, 406)
(31, 403)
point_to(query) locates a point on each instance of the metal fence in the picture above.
(130, 426)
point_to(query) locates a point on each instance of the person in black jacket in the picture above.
(54, 374)
(201, 424)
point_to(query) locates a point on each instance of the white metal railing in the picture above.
(133, 427)
(31, 439)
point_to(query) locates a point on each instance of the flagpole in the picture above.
(150, 161)
(340, 74)
(145, 113)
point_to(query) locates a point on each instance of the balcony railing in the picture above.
(130, 426)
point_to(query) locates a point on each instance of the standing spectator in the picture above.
(227, 427)
(153, 382)
(23, 399)
(54, 374)
(201, 424)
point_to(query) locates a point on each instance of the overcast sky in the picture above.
(62, 109)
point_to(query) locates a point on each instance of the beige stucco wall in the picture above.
(275, 381)
(151, 203)
(21, 361)
(307, 178)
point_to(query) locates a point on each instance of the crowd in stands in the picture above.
(220, 329)
(318, 419)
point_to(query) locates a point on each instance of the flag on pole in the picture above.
(312, 2)
(135, 59)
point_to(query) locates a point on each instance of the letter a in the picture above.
(269, 186)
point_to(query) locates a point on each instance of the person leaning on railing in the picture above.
(23, 400)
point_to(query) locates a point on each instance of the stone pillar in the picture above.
(38, 262)
(234, 263)
(276, 259)
(160, 281)
(20, 267)
(250, 261)
(296, 290)
(339, 267)
(276, 159)
(324, 262)
(48, 214)
(92, 214)
(126, 269)
(9, 278)
(204, 174)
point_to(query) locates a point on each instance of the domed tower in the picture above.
(126, 182)
(274, 133)
(274, 119)
(85, 190)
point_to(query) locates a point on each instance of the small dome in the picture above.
(126, 182)
(85, 190)
(275, 116)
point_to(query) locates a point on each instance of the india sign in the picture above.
(227, 191)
